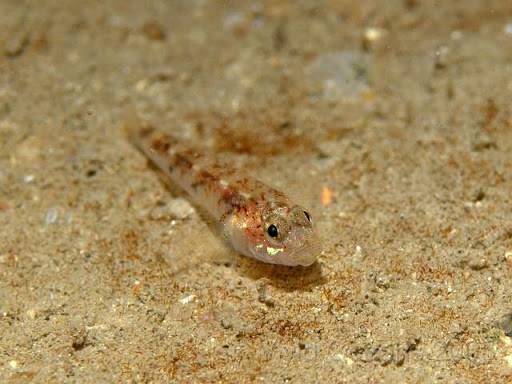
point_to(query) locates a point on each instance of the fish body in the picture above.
(257, 220)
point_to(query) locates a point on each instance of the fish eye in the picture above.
(272, 230)
(307, 216)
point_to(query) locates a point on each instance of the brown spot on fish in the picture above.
(145, 131)
(192, 154)
(182, 161)
(160, 144)
(204, 177)
(232, 199)
(207, 176)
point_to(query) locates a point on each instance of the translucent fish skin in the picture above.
(258, 221)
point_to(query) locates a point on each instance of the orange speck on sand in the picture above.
(327, 196)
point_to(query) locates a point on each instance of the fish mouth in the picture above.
(305, 255)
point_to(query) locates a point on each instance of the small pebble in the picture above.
(174, 209)
(339, 75)
(187, 299)
(508, 258)
(441, 57)
(508, 28)
(31, 313)
(51, 216)
(478, 263)
(359, 252)
(479, 195)
(181, 208)
(16, 44)
(28, 178)
(226, 324)
(506, 324)
(263, 296)
(141, 85)
(383, 282)
(229, 317)
(483, 141)
(153, 31)
(371, 36)
(79, 341)
(456, 35)
(345, 359)
(508, 359)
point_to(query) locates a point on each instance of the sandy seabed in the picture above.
(391, 120)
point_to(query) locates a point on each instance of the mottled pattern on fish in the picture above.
(258, 221)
